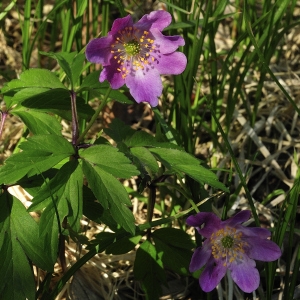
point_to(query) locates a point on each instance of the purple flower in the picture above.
(229, 245)
(136, 55)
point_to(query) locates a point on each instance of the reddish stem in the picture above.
(75, 126)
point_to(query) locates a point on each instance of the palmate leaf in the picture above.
(38, 122)
(118, 131)
(34, 78)
(18, 243)
(57, 101)
(145, 160)
(61, 197)
(174, 247)
(64, 191)
(144, 139)
(50, 224)
(148, 268)
(71, 63)
(182, 162)
(110, 160)
(123, 244)
(41, 152)
(111, 194)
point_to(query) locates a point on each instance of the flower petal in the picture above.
(245, 275)
(98, 50)
(113, 76)
(212, 275)
(262, 233)
(159, 19)
(145, 85)
(120, 24)
(166, 44)
(200, 256)
(173, 63)
(261, 249)
(239, 218)
(211, 223)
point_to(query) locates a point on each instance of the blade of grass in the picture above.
(7, 8)
(26, 33)
(237, 168)
(284, 224)
(263, 62)
(76, 27)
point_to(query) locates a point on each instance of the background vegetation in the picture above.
(236, 108)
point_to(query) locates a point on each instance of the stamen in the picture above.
(132, 51)
(227, 244)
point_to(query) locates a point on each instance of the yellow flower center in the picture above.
(133, 50)
(227, 244)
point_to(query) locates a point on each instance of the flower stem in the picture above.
(94, 117)
(230, 286)
(151, 202)
(75, 126)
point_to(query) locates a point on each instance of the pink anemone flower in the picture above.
(137, 54)
(230, 246)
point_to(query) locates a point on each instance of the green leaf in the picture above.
(38, 122)
(110, 160)
(18, 242)
(111, 194)
(17, 97)
(144, 139)
(58, 207)
(123, 245)
(73, 194)
(146, 159)
(56, 101)
(103, 239)
(148, 268)
(181, 25)
(66, 184)
(40, 153)
(174, 237)
(118, 131)
(71, 63)
(62, 197)
(92, 82)
(37, 78)
(180, 161)
(92, 209)
(50, 228)
(27, 231)
(174, 248)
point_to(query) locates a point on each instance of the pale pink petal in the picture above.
(245, 275)
(159, 19)
(173, 63)
(145, 85)
(166, 44)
